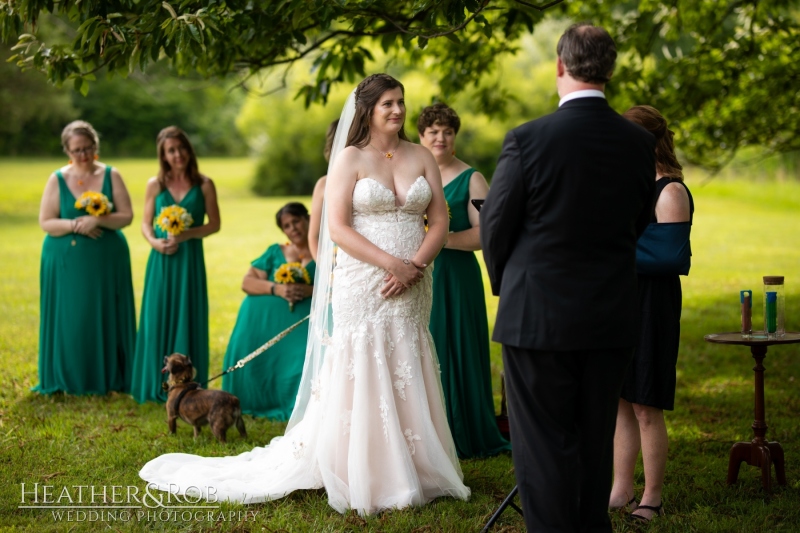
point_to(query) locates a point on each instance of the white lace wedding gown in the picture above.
(375, 432)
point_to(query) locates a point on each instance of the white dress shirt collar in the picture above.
(586, 93)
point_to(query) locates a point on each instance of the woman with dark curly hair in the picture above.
(458, 317)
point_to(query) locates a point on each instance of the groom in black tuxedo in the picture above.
(571, 194)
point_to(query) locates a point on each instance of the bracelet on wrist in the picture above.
(272, 289)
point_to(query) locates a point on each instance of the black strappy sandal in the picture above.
(658, 511)
(631, 506)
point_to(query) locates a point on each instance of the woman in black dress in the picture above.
(662, 255)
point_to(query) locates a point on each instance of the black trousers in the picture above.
(562, 408)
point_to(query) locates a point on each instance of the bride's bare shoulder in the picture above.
(346, 164)
(419, 151)
(350, 153)
(416, 149)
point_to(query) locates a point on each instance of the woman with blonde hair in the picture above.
(174, 316)
(87, 319)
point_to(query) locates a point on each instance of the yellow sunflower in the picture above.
(284, 274)
(174, 225)
(292, 273)
(174, 219)
(94, 203)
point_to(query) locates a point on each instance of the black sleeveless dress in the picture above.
(651, 375)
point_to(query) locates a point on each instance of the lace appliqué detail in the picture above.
(389, 348)
(410, 437)
(403, 372)
(385, 417)
(415, 342)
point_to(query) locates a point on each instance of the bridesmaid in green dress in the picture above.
(174, 315)
(458, 317)
(267, 385)
(87, 321)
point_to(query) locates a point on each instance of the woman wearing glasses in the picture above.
(87, 320)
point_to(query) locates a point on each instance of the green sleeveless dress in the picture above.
(267, 385)
(174, 314)
(461, 334)
(87, 322)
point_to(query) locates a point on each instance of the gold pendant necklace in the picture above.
(387, 155)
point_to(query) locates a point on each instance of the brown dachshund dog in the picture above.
(196, 406)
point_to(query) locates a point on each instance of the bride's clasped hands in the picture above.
(404, 276)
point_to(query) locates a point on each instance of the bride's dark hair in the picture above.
(368, 93)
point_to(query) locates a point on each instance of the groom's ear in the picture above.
(560, 68)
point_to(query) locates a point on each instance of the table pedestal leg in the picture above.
(758, 452)
(776, 452)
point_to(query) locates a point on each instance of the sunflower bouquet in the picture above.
(292, 273)
(94, 203)
(174, 220)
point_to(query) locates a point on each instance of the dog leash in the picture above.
(258, 351)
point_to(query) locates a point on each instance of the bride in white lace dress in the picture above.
(369, 423)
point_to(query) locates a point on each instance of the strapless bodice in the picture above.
(371, 197)
(397, 230)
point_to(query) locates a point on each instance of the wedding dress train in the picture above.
(374, 433)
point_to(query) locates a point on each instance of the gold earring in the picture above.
(96, 157)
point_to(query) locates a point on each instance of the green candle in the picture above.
(772, 312)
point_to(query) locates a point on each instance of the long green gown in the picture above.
(461, 334)
(174, 306)
(268, 384)
(87, 323)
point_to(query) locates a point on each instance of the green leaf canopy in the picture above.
(724, 72)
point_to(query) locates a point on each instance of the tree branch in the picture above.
(541, 7)
(463, 24)
(262, 62)
(407, 31)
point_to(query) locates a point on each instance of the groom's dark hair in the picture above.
(368, 93)
(588, 53)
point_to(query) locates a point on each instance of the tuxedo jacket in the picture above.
(572, 192)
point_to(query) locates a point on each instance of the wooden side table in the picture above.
(758, 452)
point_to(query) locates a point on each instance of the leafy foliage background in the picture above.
(723, 72)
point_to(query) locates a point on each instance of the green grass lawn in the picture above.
(742, 230)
